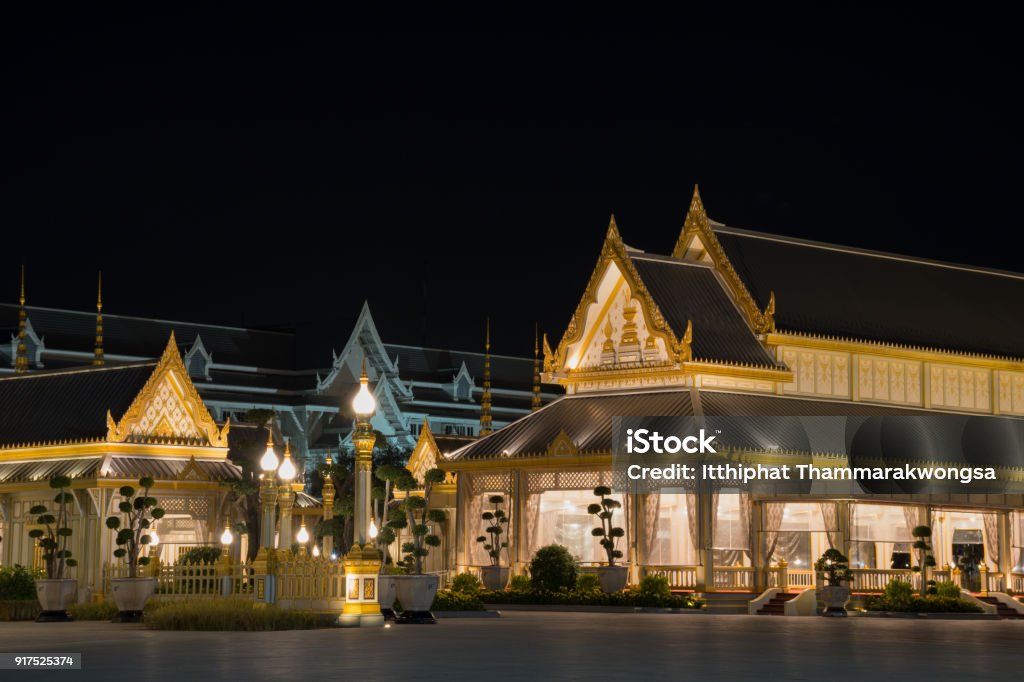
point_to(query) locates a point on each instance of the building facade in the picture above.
(733, 322)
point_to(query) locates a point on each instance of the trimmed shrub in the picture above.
(898, 594)
(632, 598)
(466, 583)
(450, 600)
(553, 568)
(588, 582)
(947, 588)
(655, 586)
(519, 583)
(18, 582)
(94, 611)
(227, 614)
(202, 554)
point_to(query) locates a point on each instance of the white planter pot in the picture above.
(613, 578)
(130, 595)
(835, 598)
(55, 596)
(495, 577)
(416, 592)
(386, 591)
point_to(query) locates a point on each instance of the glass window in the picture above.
(564, 520)
(669, 543)
(880, 535)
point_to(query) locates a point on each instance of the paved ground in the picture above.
(545, 646)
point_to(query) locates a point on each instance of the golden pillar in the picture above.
(328, 495)
(362, 563)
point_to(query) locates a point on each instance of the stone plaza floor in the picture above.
(540, 646)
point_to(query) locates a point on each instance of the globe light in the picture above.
(154, 539)
(303, 535)
(226, 538)
(316, 550)
(269, 461)
(287, 471)
(373, 530)
(364, 404)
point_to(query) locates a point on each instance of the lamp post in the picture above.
(268, 500)
(362, 563)
(302, 537)
(286, 497)
(328, 495)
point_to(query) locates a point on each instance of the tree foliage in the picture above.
(54, 536)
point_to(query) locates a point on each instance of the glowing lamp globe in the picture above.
(364, 404)
(373, 530)
(303, 535)
(269, 461)
(316, 550)
(154, 539)
(226, 538)
(287, 470)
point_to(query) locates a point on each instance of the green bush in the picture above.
(450, 600)
(94, 611)
(655, 586)
(919, 604)
(898, 594)
(587, 582)
(227, 614)
(578, 598)
(466, 583)
(519, 583)
(947, 588)
(202, 554)
(19, 609)
(18, 582)
(553, 569)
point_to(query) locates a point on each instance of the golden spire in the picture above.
(97, 355)
(21, 358)
(485, 399)
(535, 404)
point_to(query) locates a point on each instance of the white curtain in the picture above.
(474, 529)
(773, 512)
(691, 520)
(830, 518)
(531, 526)
(652, 512)
(745, 505)
(992, 543)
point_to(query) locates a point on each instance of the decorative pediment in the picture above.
(425, 454)
(168, 409)
(562, 446)
(617, 321)
(193, 472)
(697, 242)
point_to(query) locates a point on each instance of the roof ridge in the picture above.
(464, 352)
(888, 255)
(43, 374)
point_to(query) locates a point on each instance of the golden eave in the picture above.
(100, 448)
(893, 350)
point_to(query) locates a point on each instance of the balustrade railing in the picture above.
(1017, 582)
(312, 583)
(679, 577)
(734, 577)
(875, 579)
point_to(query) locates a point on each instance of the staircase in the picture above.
(728, 602)
(1003, 610)
(777, 605)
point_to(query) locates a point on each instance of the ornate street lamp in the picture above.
(302, 537)
(268, 498)
(226, 538)
(286, 496)
(362, 563)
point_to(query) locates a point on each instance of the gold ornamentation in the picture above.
(21, 356)
(549, 356)
(97, 355)
(167, 407)
(562, 446)
(535, 400)
(698, 226)
(485, 399)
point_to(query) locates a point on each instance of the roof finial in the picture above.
(535, 403)
(21, 357)
(97, 355)
(696, 221)
(485, 399)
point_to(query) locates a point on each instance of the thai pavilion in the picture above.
(105, 427)
(734, 322)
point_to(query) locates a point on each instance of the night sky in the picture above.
(282, 178)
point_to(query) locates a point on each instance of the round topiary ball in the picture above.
(553, 568)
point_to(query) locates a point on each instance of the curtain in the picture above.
(714, 519)
(532, 525)
(910, 513)
(652, 508)
(992, 539)
(830, 517)
(691, 520)
(474, 529)
(745, 504)
(772, 522)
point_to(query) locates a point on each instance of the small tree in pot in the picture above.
(416, 591)
(56, 591)
(613, 578)
(923, 548)
(138, 512)
(496, 521)
(835, 569)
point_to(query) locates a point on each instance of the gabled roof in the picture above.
(68, 404)
(830, 290)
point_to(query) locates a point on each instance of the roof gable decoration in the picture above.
(364, 343)
(34, 344)
(562, 446)
(697, 242)
(425, 455)
(168, 409)
(197, 359)
(617, 321)
(463, 384)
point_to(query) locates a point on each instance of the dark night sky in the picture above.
(281, 178)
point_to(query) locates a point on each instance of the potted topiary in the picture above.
(835, 568)
(55, 592)
(416, 591)
(923, 548)
(495, 576)
(613, 578)
(139, 511)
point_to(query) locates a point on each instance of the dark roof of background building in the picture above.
(146, 338)
(838, 291)
(66, 404)
(434, 364)
(692, 292)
